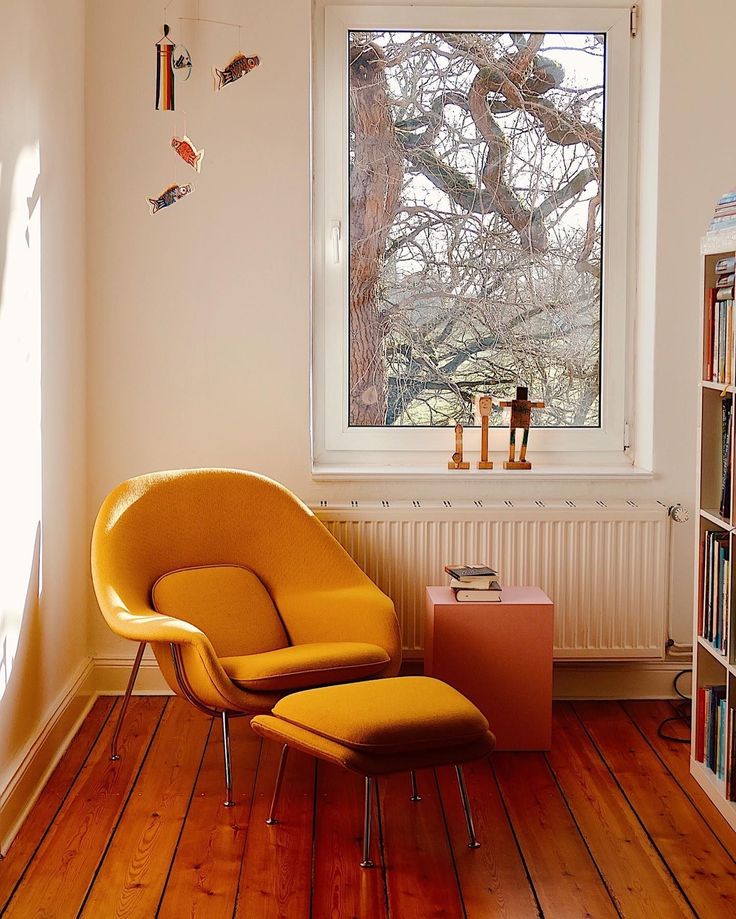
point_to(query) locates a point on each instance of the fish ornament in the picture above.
(188, 152)
(237, 68)
(170, 196)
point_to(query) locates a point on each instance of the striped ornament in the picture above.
(164, 76)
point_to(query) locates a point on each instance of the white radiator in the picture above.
(604, 564)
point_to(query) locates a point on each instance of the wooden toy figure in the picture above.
(521, 417)
(457, 457)
(485, 404)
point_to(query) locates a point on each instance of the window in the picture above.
(468, 236)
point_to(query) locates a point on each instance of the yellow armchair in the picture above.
(242, 593)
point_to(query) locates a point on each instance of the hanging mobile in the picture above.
(188, 152)
(165, 72)
(181, 62)
(169, 197)
(237, 68)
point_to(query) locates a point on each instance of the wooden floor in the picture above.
(609, 823)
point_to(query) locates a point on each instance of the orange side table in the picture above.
(499, 655)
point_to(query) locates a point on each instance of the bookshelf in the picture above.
(713, 748)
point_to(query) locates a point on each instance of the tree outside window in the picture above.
(476, 176)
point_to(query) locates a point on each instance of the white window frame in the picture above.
(334, 441)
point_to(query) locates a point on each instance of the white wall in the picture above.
(43, 548)
(198, 331)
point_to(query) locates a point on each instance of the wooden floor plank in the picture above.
(275, 879)
(204, 876)
(420, 874)
(635, 875)
(64, 866)
(131, 878)
(565, 878)
(647, 716)
(704, 871)
(50, 800)
(341, 888)
(493, 879)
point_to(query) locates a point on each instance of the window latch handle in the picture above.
(335, 236)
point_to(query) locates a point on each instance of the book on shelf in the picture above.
(712, 738)
(726, 264)
(719, 334)
(715, 600)
(479, 596)
(730, 741)
(725, 502)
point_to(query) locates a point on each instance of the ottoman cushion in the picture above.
(399, 715)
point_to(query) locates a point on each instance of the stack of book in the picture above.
(716, 580)
(719, 324)
(474, 583)
(714, 735)
(724, 216)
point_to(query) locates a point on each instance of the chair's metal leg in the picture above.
(271, 819)
(472, 839)
(367, 863)
(126, 699)
(415, 796)
(228, 763)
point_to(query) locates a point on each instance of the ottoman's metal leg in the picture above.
(367, 863)
(228, 763)
(472, 840)
(271, 820)
(126, 699)
(415, 796)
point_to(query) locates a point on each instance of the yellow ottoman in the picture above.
(381, 726)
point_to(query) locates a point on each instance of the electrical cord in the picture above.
(683, 711)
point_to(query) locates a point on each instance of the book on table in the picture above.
(472, 583)
(470, 572)
(479, 596)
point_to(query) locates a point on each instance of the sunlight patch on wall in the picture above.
(20, 404)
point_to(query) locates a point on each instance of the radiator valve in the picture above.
(678, 513)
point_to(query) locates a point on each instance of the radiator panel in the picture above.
(607, 570)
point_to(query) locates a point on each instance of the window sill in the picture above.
(540, 472)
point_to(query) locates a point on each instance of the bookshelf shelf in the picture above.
(713, 748)
(719, 387)
(718, 655)
(713, 516)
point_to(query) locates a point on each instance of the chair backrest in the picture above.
(228, 603)
(202, 519)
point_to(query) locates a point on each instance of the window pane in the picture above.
(476, 163)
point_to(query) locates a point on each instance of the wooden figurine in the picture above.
(457, 457)
(521, 417)
(485, 404)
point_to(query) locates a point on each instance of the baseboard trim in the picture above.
(618, 679)
(25, 779)
(578, 680)
(111, 677)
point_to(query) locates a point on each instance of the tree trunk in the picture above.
(375, 185)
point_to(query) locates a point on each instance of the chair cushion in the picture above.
(299, 666)
(394, 715)
(227, 602)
